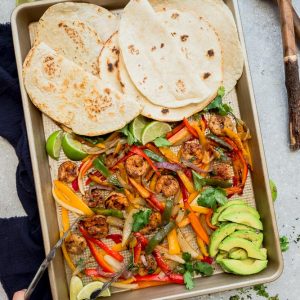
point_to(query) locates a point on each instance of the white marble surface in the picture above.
(263, 41)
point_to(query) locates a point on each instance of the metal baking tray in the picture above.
(21, 18)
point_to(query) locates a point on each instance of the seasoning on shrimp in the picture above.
(96, 226)
(192, 151)
(75, 244)
(136, 166)
(67, 171)
(116, 201)
(217, 123)
(153, 224)
(168, 185)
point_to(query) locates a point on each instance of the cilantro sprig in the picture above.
(141, 219)
(210, 197)
(162, 142)
(131, 139)
(284, 243)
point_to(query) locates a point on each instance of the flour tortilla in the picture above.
(109, 62)
(159, 64)
(75, 98)
(218, 14)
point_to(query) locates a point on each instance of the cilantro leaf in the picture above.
(203, 268)
(210, 197)
(284, 243)
(261, 290)
(186, 256)
(218, 105)
(188, 280)
(198, 181)
(141, 219)
(161, 142)
(130, 137)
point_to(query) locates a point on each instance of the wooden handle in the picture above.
(296, 23)
(291, 71)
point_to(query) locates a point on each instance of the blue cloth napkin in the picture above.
(21, 242)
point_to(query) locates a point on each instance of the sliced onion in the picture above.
(113, 262)
(180, 216)
(104, 274)
(127, 286)
(128, 226)
(169, 166)
(185, 246)
(123, 183)
(144, 261)
(100, 187)
(194, 167)
(173, 257)
(113, 221)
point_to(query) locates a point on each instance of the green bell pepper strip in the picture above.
(219, 141)
(99, 165)
(167, 212)
(109, 212)
(217, 182)
(159, 236)
(154, 156)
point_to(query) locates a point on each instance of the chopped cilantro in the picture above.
(131, 139)
(284, 243)
(261, 290)
(210, 197)
(188, 280)
(161, 142)
(186, 256)
(217, 104)
(141, 219)
(235, 297)
(203, 268)
(198, 180)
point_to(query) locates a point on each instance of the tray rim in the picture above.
(38, 181)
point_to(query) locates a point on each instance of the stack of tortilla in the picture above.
(94, 72)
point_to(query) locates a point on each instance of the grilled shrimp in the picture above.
(136, 166)
(154, 222)
(168, 185)
(222, 170)
(75, 243)
(116, 201)
(96, 226)
(192, 151)
(67, 171)
(147, 264)
(94, 198)
(217, 124)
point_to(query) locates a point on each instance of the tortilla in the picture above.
(218, 14)
(73, 97)
(161, 60)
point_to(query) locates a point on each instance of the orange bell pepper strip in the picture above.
(67, 256)
(180, 137)
(175, 130)
(141, 190)
(201, 135)
(190, 128)
(202, 246)
(146, 284)
(195, 222)
(153, 182)
(65, 219)
(200, 209)
(233, 190)
(169, 154)
(208, 220)
(153, 148)
(174, 247)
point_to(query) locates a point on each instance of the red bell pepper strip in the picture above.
(175, 130)
(160, 262)
(117, 238)
(207, 259)
(124, 158)
(88, 181)
(176, 278)
(75, 184)
(102, 245)
(171, 278)
(204, 121)
(190, 128)
(195, 222)
(154, 202)
(94, 272)
(140, 152)
(189, 174)
(137, 250)
(141, 238)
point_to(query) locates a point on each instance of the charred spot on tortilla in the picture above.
(110, 67)
(72, 34)
(132, 50)
(184, 37)
(49, 65)
(173, 33)
(165, 110)
(107, 91)
(160, 87)
(144, 79)
(174, 15)
(115, 50)
(153, 48)
(180, 85)
(210, 53)
(162, 45)
(206, 75)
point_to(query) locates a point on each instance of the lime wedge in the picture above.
(73, 148)
(88, 289)
(53, 144)
(75, 287)
(137, 126)
(154, 130)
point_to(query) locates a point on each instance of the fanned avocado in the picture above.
(238, 253)
(233, 209)
(252, 250)
(250, 235)
(243, 267)
(221, 233)
(244, 218)
(214, 219)
(221, 256)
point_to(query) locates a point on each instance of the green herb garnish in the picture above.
(131, 139)
(210, 197)
(284, 243)
(161, 142)
(261, 290)
(141, 219)
(218, 105)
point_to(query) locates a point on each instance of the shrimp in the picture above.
(168, 185)
(154, 222)
(67, 171)
(136, 166)
(116, 201)
(217, 124)
(96, 226)
(147, 264)
(94, 198)
(75, 244)
(192, 151)
(222, 170)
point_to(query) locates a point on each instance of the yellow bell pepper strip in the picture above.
(202, 246)
(127, 281)
(174, 247)
(141, 190)
(118, 148)
(65, 219)
(192, 216)
(208, 220)
(123, 172)
(180, 137)
(169, 154)
(187, 183)
(200, 209)
(100, 145)
(153, 182)
(192, 196)
(67, 196)
(146, 284)
(184, 222)
(66, 256)
(201, 135)
(129, 196)
(118, 247)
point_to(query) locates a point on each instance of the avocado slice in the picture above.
(221, 256)
(252, 250)
(221, 233)
(250, 235)
(239, 208)
(244, 218)
(243, 267)
(238, 253)
(214, 219)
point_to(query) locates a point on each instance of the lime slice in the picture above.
(53, 144)
(273, 189)
(73, 148)
(75, 287)
(88, 289)
(137, 126)
(154, 130)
